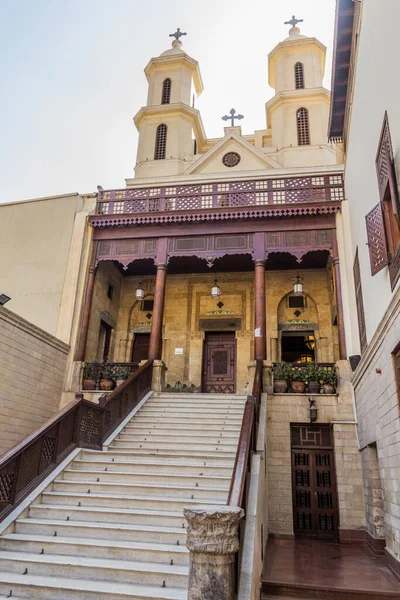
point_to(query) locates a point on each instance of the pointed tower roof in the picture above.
(176, 56)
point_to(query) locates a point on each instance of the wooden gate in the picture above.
(140, 349)
(315, 510)
(219, 363)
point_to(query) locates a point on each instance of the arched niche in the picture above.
(298, 319)
(138, 322)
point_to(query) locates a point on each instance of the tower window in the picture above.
(166, 91)
(299, 75)
(303, 129)
(161, 142)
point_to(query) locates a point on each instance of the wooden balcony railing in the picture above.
(260, 192)
(81, 424)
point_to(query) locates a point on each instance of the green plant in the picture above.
(327, 376)
(180, 387)
(121, 372)
(298, 374)
(312, 371)
(92, 370)
(281, 371)
(107, 371)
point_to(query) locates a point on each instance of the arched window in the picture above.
(166, 91)
(161, 142)
(303, 129)
(299, 75)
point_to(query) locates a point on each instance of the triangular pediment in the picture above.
(251, 159)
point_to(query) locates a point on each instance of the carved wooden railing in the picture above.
(260, 192)
(247, 442)
(81, 424)
(125, 398)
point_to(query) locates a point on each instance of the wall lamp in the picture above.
(313, 410)
(4, 299)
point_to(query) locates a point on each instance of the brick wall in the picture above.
(32, 367)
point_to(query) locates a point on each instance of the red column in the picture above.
(158, 313)
(339, 303)
(87, 305)
(260, 315)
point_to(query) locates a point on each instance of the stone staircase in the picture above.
(111, 525)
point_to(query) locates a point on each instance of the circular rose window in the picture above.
(231, 159)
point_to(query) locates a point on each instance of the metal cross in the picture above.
(293, 21)
(178, 33)
(232, 117)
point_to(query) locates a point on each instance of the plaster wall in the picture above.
(376, 63)
(36, 239)
(309, 56)
(32, 368)
(181, 84)
(284, 409)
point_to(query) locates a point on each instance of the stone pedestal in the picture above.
(213, 542)
(251, 368)
(158, 377)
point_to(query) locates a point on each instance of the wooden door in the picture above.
(140, 350)
(219, 363)
(315, 510)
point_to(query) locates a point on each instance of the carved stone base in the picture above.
(212, 541)
(158, 377)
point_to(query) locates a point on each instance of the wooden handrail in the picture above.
(81, 424)
(247, 441)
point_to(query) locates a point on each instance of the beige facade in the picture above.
(32, 370)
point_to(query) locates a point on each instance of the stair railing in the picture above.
(81, 424)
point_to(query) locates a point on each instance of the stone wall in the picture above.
(284, 409)
(32, 368)
(377, 401)
(373, 495)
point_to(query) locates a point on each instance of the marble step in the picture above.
(99, 514)
(136, 425)
(183, 396)
(220, 414)
(198, 405)
(140, 490)
(61, 588)
(176, 437)
(204, 455)
(168, 456)
(149, 445)
(83, 567)
(153, 465)
(183, 420)
(200, 479)
(111, 531)
(163, 503)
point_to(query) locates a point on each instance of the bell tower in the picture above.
(298, 113)
(169, 125)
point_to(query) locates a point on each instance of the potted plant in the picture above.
(91, 375)
(121, 374)
(281, 372)
(298, 379)
(314, 385)
(328, 378)
(106, 382)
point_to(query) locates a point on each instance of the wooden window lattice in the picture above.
(166, 91)
(299, 75)
(161, 142)
(360, 303)
(303, 127)
(376, 239)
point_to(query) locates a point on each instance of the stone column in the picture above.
(339, 303)
(87, 306)
(213, 542)
(259, 309)
(158, 312)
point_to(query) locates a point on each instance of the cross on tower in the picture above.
(178, 34)
(293, 22)
(232, 117)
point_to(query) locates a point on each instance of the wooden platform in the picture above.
(308, 569)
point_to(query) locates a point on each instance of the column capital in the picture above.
(162, 267)
(93, 270)
(213, 529)
(335, 260)
(259, 262)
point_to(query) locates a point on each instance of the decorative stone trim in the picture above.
(213, 530)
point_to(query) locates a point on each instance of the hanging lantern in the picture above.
(139, 292)
(215, 291)
(310, 342)
(298, 286)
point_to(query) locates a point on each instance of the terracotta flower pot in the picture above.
(314, 387)
(328, 389)
(89, 384)
(280, 387)
(106, 385)
(298, 387)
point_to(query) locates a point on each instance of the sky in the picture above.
(72, 79)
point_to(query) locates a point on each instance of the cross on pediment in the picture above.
(178, 34)
(293, 22)
(232, 117)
